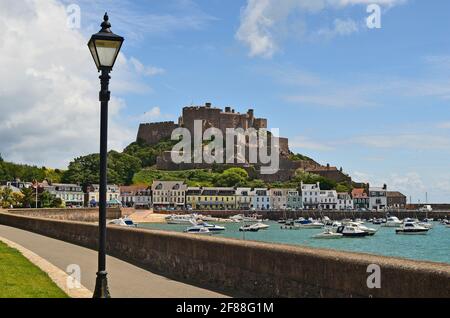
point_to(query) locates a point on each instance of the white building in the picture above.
(136, 196)
(243, 198)
(345, 201)
(310, 195)
(112, 194)
(279, 198)
(70, 194)
(260, 199)
(169, 194)
(378, 198)
(328, 199)
(294, 200)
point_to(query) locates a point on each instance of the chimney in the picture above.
(208, 105)
(227, 109)
(232, 111)
(251, 113)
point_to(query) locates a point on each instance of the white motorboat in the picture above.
(198, 229)
(350, 231)
(328, 234)
(123, 222)
(428, 225)
(213, 227)
(411, 228)
(253, 227)
(181, 219)
(362, 227)
(393, 221)
(309, 224)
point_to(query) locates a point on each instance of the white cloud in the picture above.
(49, 87)
(145, 70)
(261, 20)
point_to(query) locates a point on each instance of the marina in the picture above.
(360, 237)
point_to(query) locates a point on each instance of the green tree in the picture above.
(6, 197)
(85, 170)
(28, 197)
(232, 177)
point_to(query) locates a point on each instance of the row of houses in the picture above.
(177, 195)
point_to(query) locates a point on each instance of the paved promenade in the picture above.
(125, 280)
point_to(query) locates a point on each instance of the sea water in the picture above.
(434, 246)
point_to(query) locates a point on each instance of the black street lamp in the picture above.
(104, 47)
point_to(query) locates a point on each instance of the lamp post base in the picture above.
(101, 286)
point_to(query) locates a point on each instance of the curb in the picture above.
(58, 276)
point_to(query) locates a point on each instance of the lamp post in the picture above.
(104, 47)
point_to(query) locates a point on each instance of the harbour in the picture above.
(434, 246)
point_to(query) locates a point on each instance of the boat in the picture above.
(198, 229)
(370, 231)
(328, 234)
(309, 224)
(180, 219)
(411, 228)
(123, 222)
(428, 225)
(290, 225)
(213, 227)
(377, 221)
(393, 221)
(248, 228)
(350, 231)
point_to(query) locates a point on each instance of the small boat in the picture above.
(213, 227)
(248, 228)
(180, 219)
(350, 231)
(411, 228)
(123, 222)
(309, 224)
(282, 222)
(290, 225)
(393, 221)
(377, 221)
(328, 234)
(370, 231)
(428, 225)
(201, 230)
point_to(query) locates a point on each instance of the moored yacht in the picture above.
(350, 231)
(123, 222)
(198, 229)
(328, 234)
(393, 221)
(180, 219)
(411, 228)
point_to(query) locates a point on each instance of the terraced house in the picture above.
(294, 200)
(243, 198)
(70, 194)
(212, 198)
(169, 194)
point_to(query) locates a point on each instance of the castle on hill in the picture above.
(153, 133)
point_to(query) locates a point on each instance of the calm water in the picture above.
(435, 246)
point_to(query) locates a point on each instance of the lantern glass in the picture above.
(107, 52)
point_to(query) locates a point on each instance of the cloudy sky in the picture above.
(374, 101)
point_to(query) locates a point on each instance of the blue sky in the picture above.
(374, 101)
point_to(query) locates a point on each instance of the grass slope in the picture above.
(19, 278)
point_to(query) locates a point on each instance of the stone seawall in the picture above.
(251, 268)
(83, 215)
(334, 215)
